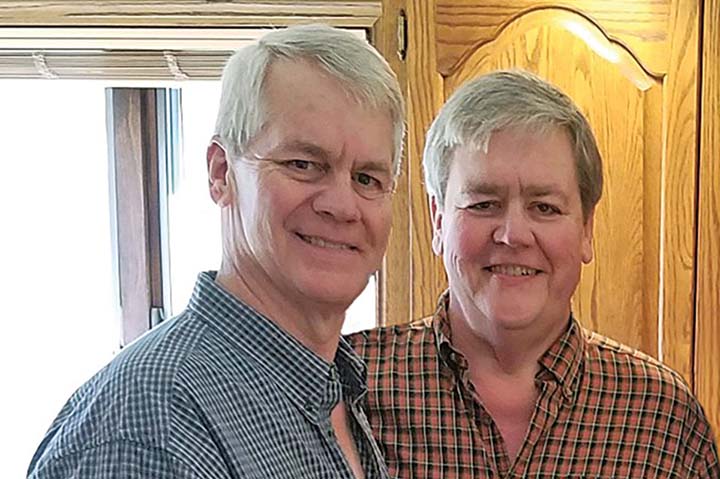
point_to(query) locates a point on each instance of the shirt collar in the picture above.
(308, 380)
(564, 358)
(562, 361)
(443, 336)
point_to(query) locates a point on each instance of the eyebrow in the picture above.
(311, 149)
(375, 166)
(482, 188)
(317, 151)
(534, 191)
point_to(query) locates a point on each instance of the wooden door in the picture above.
(707, 320)
(632, 67)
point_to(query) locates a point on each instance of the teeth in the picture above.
(512, 270)
(323, 243)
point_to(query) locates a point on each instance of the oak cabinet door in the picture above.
(632, 67)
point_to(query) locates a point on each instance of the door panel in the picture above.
(707, 332)
(576, 61)
(642, 25)
(632, 69)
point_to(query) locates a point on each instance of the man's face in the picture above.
(511, 232)
(311, 221)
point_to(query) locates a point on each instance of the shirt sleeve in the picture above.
(701, 453)
(114, 460)
(710, 468)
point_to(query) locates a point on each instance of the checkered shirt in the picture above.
(604, 410)
(218, 392)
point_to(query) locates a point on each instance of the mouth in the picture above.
(512, 270)
(325, 243)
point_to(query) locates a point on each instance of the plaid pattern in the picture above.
(218, 392)
(603, 410)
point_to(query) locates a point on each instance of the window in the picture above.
(58, 283)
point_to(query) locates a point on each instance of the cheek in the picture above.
(565, 252)
(280, 203)
(465, 240)
(270, 215)
(379, 223)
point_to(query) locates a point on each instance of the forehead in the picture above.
(294, 79)
(518, 156)
(305, 106)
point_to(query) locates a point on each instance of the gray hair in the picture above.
(364, 74)
(507, 99)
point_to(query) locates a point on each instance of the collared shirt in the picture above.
(603, 410)
(218, 392)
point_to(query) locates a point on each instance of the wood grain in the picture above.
(541, 42)
(641, 25)
(425, 97)
(637, 90)
(677, 240)
(652, 155)
(707, 327)
(196, 13)
(394, 278)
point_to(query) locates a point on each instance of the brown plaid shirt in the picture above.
(603, 410)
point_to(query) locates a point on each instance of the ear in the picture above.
(219, 172)
(587, 241)
(436, 217)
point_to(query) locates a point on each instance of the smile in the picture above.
(323, 243)
(513, 270)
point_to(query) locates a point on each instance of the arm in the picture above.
(701, 454)
(709, 467)
(114, 460)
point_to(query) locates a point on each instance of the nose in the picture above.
(337, 199)
(514, 229)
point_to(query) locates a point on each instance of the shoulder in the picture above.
(392, 340)
(619, 362)
(111, 460)
(649, 385)
(131, 399)
(406, 350)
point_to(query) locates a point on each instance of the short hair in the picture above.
(509, 99)
(360, 69)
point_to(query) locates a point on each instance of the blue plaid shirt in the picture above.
(218, 392)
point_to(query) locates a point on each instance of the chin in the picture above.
(334, 291)
(512, 318)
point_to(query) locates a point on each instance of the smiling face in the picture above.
(512, 234)
(311, 212)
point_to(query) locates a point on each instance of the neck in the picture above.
(493, 351)
(316, 326)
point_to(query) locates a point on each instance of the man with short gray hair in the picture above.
(252, 380)
(503, 381)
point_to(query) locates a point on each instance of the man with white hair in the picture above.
(252, 380)
(503, 381)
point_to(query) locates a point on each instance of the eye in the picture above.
(366, 180)
(368, 185)
(303, 170)
(547, 209)
(489, 205)
(299, 164)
